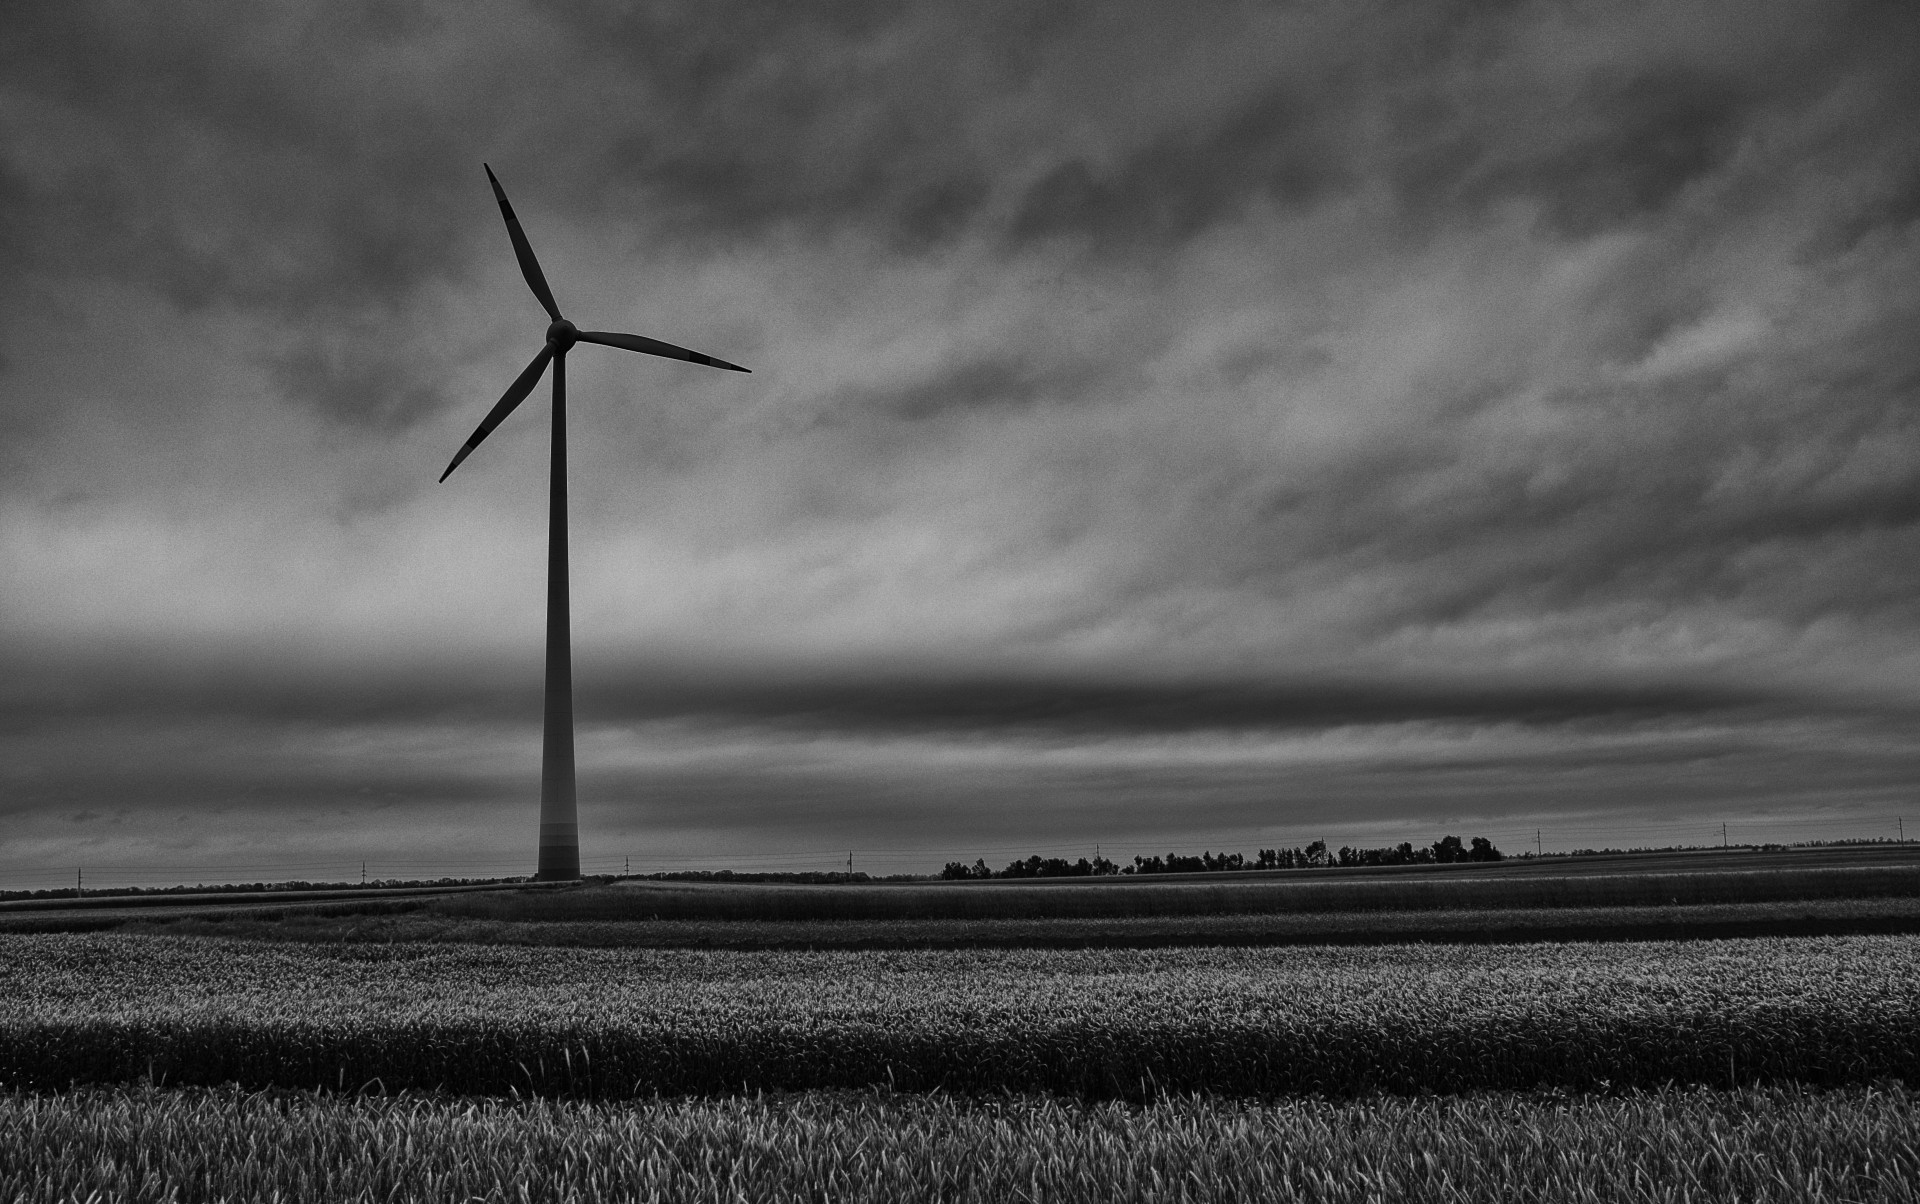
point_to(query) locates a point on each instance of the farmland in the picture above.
(1748, 1145)
(1836, 891)
(1130, 1024)
(1627, 884)
(1812, 917)
(1337, 1036)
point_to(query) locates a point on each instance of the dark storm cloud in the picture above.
(323, 166)
(1270, 149)
(218, 685)
(855, 704)
(1091, 709)
(1649, 524)
(965, 386)
(221, 168)
(1650, 139)
(936, 770)
(356, 373)
(1599, 139)
(764, 115)
(1619, 149)
(1158, 412)
(229, 164)
(298, 159)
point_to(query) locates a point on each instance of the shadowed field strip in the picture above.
(1803, 892)
(495, 1019)
(1813, 917)
(1698, 1145)
(1171, 895)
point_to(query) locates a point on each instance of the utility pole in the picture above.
(76, 882)
(1902, 821)
(1723, 836)
(363, 873)
(629, 872)
(1539, 850)
(849, 865)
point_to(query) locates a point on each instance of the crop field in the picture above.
(1107, 1023)
(1806, 892)
(1696, 1144)
(1145, 1041)
(1812, 917)
(144, 1067)
(1717, 881)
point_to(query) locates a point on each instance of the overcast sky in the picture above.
(1170, 425)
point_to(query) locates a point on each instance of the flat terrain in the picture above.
(1829, 891)
(1519, 1031)
(1811, 917)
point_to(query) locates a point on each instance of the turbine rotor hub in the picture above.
(563, 333)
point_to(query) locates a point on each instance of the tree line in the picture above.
(1445, 851)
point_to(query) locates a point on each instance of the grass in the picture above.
(1133, 1023)
(1698, 1145)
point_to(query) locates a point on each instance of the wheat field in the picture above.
(1098, 1023)
(1772, 1144)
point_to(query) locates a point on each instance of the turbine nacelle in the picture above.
(562, 334)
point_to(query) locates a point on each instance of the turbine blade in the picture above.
(634, 342)
(515, 394)
(523, 251)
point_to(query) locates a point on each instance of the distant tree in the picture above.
(1047, 867)
(1446, 850)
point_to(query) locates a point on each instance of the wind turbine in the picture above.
(559, 821)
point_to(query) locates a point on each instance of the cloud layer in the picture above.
(1195, 412)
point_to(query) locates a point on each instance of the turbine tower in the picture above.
(559, 822)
